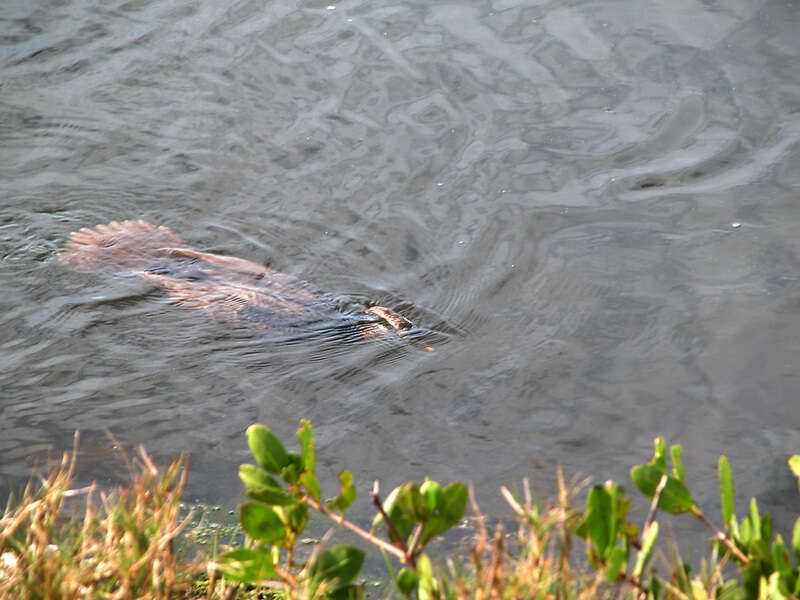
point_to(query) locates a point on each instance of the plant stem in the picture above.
(412, 549)
(662, 483)
(393, 533)
(390, 548)
(720, 535)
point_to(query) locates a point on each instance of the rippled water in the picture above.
(591, 206)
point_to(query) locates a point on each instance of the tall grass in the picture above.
(534, 561)
(57, 542)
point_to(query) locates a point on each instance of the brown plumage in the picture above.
(227, 288)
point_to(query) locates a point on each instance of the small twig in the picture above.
(79, 491)
(212, 582)
(662, 483)
(393, 534)
(232, 591)
(651, 516)
(512, 502)
(412, 549)
(494, 572)
(720, 535)
(390, 548)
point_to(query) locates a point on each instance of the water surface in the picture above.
(592, 206)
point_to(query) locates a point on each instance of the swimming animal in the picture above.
(227, 288)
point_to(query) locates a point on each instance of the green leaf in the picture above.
(746, 532)
(766, 527)
(615, 562)
(432, 496)
(774, 591)
(451, 508)
(455, 502)
(337, 566)
(306, 436)
(396, 514)
(294, 467)
(261, 522)
(796, 540)
(256, 478)
(618, 508)
(245, 565)
(296, 517)
(794, 465)
(659, 455)
(598, 514)
(426, 588)
(780, 556)
(348, 494)
(309, 480)
(674, 499)
(755, 519)
(643, 557)
(676, 451)
(725, 489)
(267, 448)
(409, 500)
(272, 496)
(406, 581)
(260, 486)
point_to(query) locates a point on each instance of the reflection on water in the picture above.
(546, 190)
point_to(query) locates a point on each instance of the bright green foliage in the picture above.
(267, 449)
(427, 588)
(346, 496)
(604, 526)
(429, 507)
(260, 486)
(310, 482)
(406, 581)
(337, 567)
(644, 555)
(261, 522)
(765, 563)
(676, 452)
(279, 510)
(725, 490)
(246, 565)
(413, 514)
(675, 496)
(442, 511)
(308, 453)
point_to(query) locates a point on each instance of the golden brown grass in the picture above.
(531, 563)
(59, 543)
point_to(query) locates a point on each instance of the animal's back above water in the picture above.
(229, 288)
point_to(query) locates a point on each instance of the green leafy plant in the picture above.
(764, 561)
(283, 488)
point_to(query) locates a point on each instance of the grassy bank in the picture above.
(59, 541)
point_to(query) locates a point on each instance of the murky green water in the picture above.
(593, 207)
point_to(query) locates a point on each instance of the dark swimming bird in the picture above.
(227, 288)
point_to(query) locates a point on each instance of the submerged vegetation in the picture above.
(57, 541)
